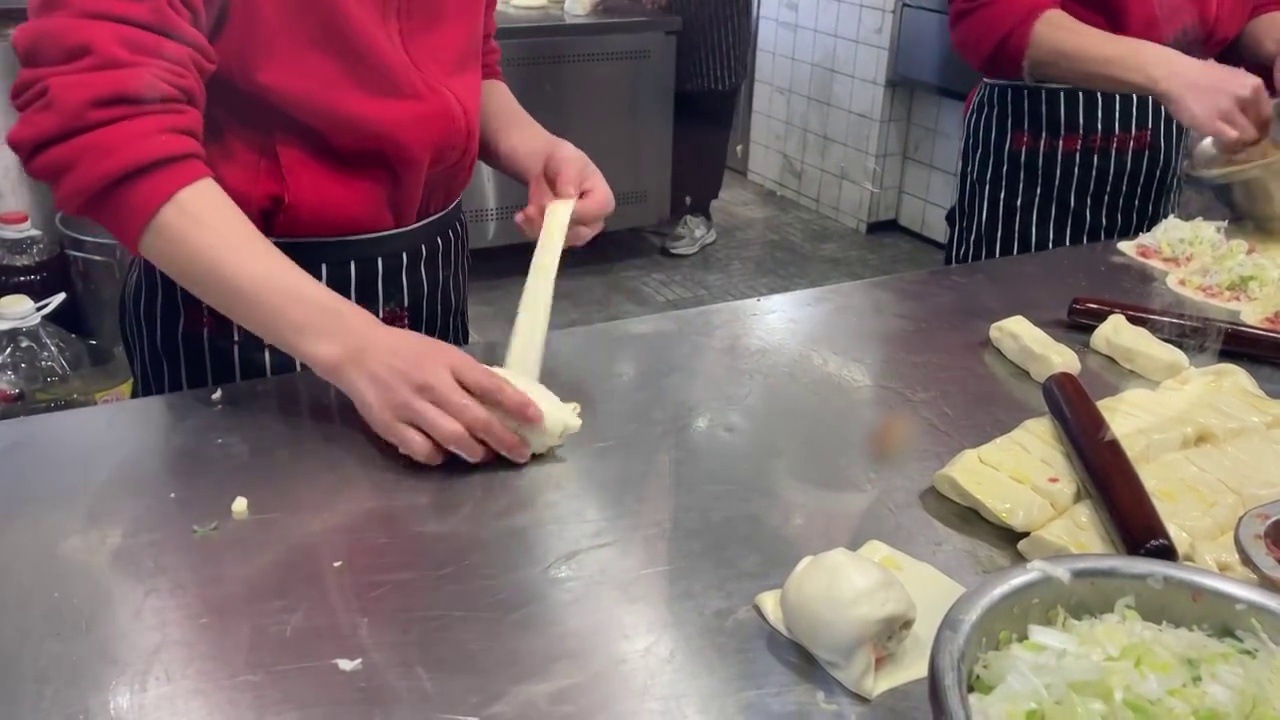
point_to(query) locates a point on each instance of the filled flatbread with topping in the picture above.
(1174, 243)
(1231, 281)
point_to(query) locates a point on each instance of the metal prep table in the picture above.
(606, 83)
(613, 581)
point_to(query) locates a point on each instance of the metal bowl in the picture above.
(1251, 191)
(1011, 600)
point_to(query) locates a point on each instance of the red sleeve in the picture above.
(992, 35)
(111, 99)
(490, 54)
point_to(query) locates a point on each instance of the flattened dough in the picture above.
(823, 595)
(1136, 349)
(1130, 248)
(1031, 348)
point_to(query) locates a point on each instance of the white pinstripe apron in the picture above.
(413, 278)
(1048, 166)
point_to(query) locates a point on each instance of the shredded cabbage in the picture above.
(1119, 666)
(1177, 239)
(1246, 276)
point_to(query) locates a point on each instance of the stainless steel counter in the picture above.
(720, 446)
(604, 82)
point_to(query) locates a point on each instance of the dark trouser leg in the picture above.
(700, 149)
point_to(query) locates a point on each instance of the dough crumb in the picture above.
(240, 507)
(346, 665)
(217, 395)
(338, 564)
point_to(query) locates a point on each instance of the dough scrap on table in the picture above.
(1136, 349)
(1031, 348)
(1205, 444)
(849, 608)
(559, 418)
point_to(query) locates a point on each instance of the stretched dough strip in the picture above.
(533, 315)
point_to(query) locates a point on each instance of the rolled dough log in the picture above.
(869, 617)
(1031, 348)
(1138, 350)
(559, 419)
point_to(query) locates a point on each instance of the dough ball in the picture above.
(559, 418)
(841, 605)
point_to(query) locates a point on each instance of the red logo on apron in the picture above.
(1074, 143)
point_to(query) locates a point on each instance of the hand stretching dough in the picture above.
(559, 419)
(1031, 348)
(869, 617)
(1138, 350)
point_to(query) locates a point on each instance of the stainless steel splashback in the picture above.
(922, 53)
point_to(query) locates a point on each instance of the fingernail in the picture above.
(464, 456)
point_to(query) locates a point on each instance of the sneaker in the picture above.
(693, 233)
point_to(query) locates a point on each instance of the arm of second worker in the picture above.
(110, 100)
(993, 35)
(1036, 40)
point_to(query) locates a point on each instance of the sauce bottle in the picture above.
(33, 264)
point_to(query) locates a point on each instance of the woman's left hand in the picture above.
(567, 172)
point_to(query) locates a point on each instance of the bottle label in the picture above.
(120, 392)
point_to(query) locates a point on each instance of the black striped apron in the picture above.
(713, 44)
(1047, 166)
(414, 278)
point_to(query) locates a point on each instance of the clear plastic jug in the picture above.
(40, 363)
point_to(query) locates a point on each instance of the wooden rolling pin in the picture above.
(1237, 339)
(1108, 475)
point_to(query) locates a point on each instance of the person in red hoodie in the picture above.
(289, 174)
(1078, 132)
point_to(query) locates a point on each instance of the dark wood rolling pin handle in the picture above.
(1179, 328)
(1109, 476)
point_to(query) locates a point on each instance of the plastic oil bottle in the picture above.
(33, 264)
(41, 365)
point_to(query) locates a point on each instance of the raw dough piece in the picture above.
(1221, 556)
(533, 314)
(1190, 498)
(580, 7)
(839, 604)
(1021, 466)
(1002, 501)
(1254, 483)
(528, 4)
(1051, 454)
(1031, 348)
(559, 419)
(1137, 349)
(1078, 531)
(1213, 377)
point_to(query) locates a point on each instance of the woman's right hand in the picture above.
(427, 397)
(1218, 101)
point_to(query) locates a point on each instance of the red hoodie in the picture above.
(992, 35)
(319, 117)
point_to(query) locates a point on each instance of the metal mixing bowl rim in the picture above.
(948, 680)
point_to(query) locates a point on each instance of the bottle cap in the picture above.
(15, 221)
(16, 307)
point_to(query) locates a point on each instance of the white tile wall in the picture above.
(826, 130)
(932, 150)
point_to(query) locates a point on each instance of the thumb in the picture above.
(565, 177)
